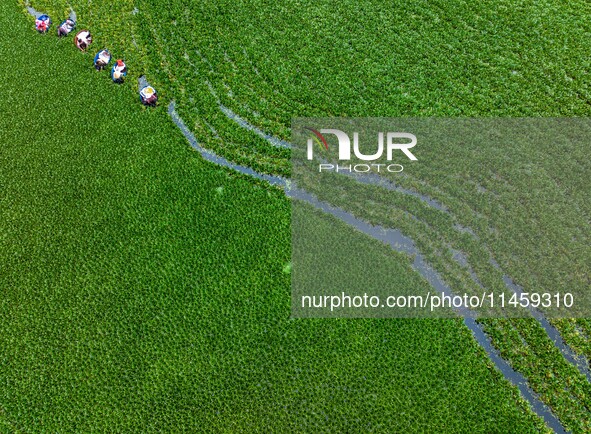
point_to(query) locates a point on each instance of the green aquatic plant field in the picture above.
(528, 208)
(143, 289)
(269, 64)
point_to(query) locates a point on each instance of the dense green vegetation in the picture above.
(272, 61)
(522, 342)
(529, 207)
(132, 300)
(269, 64)
(421, 59)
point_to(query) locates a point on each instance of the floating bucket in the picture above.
(102, 59)
(66, 27)
(119, 71)
(83, 39)
(42, 23)
(148, 96)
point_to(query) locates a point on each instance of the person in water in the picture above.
(42, 23)
(119, 71)
(66, 27)
(102, 59)
(83, 40)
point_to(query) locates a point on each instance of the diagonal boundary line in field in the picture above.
(578, 361)
(402, 244)
(243, 123)
(210, 156)
(250, 127)
(516, 378)
(385, 235)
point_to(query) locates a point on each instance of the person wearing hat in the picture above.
(66, 27)
(119, 71)
(42, 23)
(102, 59)
(148, 96)
(83, 39)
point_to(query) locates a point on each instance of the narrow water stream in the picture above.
(210, 156)
(400, 243)
(580, 362)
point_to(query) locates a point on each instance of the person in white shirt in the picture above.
(83, 40)
(102, 59)
(66, 27)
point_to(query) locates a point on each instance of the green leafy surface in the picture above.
(137, 297)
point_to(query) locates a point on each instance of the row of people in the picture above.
(83, 39)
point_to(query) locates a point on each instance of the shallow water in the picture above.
(210, 156)
(34, 12)
(400, 243)
(248, 126)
